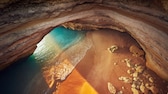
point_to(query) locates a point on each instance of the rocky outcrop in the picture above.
(21, 28)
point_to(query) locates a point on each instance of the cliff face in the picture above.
(25, 23)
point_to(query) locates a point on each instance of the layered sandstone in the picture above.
(22, 26)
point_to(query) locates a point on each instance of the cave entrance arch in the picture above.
(144, 27)
(140, 26)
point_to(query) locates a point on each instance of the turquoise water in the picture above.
(20, 76)
(65, 37)
(55, 42)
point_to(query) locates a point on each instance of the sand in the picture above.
(99, 67)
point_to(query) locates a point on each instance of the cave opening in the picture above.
(80, 62)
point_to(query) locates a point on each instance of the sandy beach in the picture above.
(100, 67)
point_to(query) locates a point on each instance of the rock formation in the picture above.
(24, 23)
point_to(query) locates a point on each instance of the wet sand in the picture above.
(99, 66)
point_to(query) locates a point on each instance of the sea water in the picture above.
(55, 42)
(14, 79)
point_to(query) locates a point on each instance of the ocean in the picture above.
(21, 75)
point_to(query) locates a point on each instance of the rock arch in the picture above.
(18, 37)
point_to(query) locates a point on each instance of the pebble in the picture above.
(139, 69)
(135, 74)
(136, 65)
(142, 88)
(133, 86)
(147, 85)
(151, 79)
(128, 62)
(120, 92)
(134, 91)
(111, 88)
(112, 48)
(115, 63)
(129, 72)
(135, 78)
(125, 79)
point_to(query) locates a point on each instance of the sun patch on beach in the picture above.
(87, 89)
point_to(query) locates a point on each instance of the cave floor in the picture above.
(105, 72)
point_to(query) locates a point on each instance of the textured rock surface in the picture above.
(24, 24)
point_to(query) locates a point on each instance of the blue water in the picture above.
(55, 42)
(65, 37)
(16, 78)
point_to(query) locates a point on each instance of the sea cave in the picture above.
(83, 47)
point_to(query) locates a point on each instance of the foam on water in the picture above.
(76, 52)
(55, 42)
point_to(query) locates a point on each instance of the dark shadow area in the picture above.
(22, 77)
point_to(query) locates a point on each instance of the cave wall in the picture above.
(24, 24)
